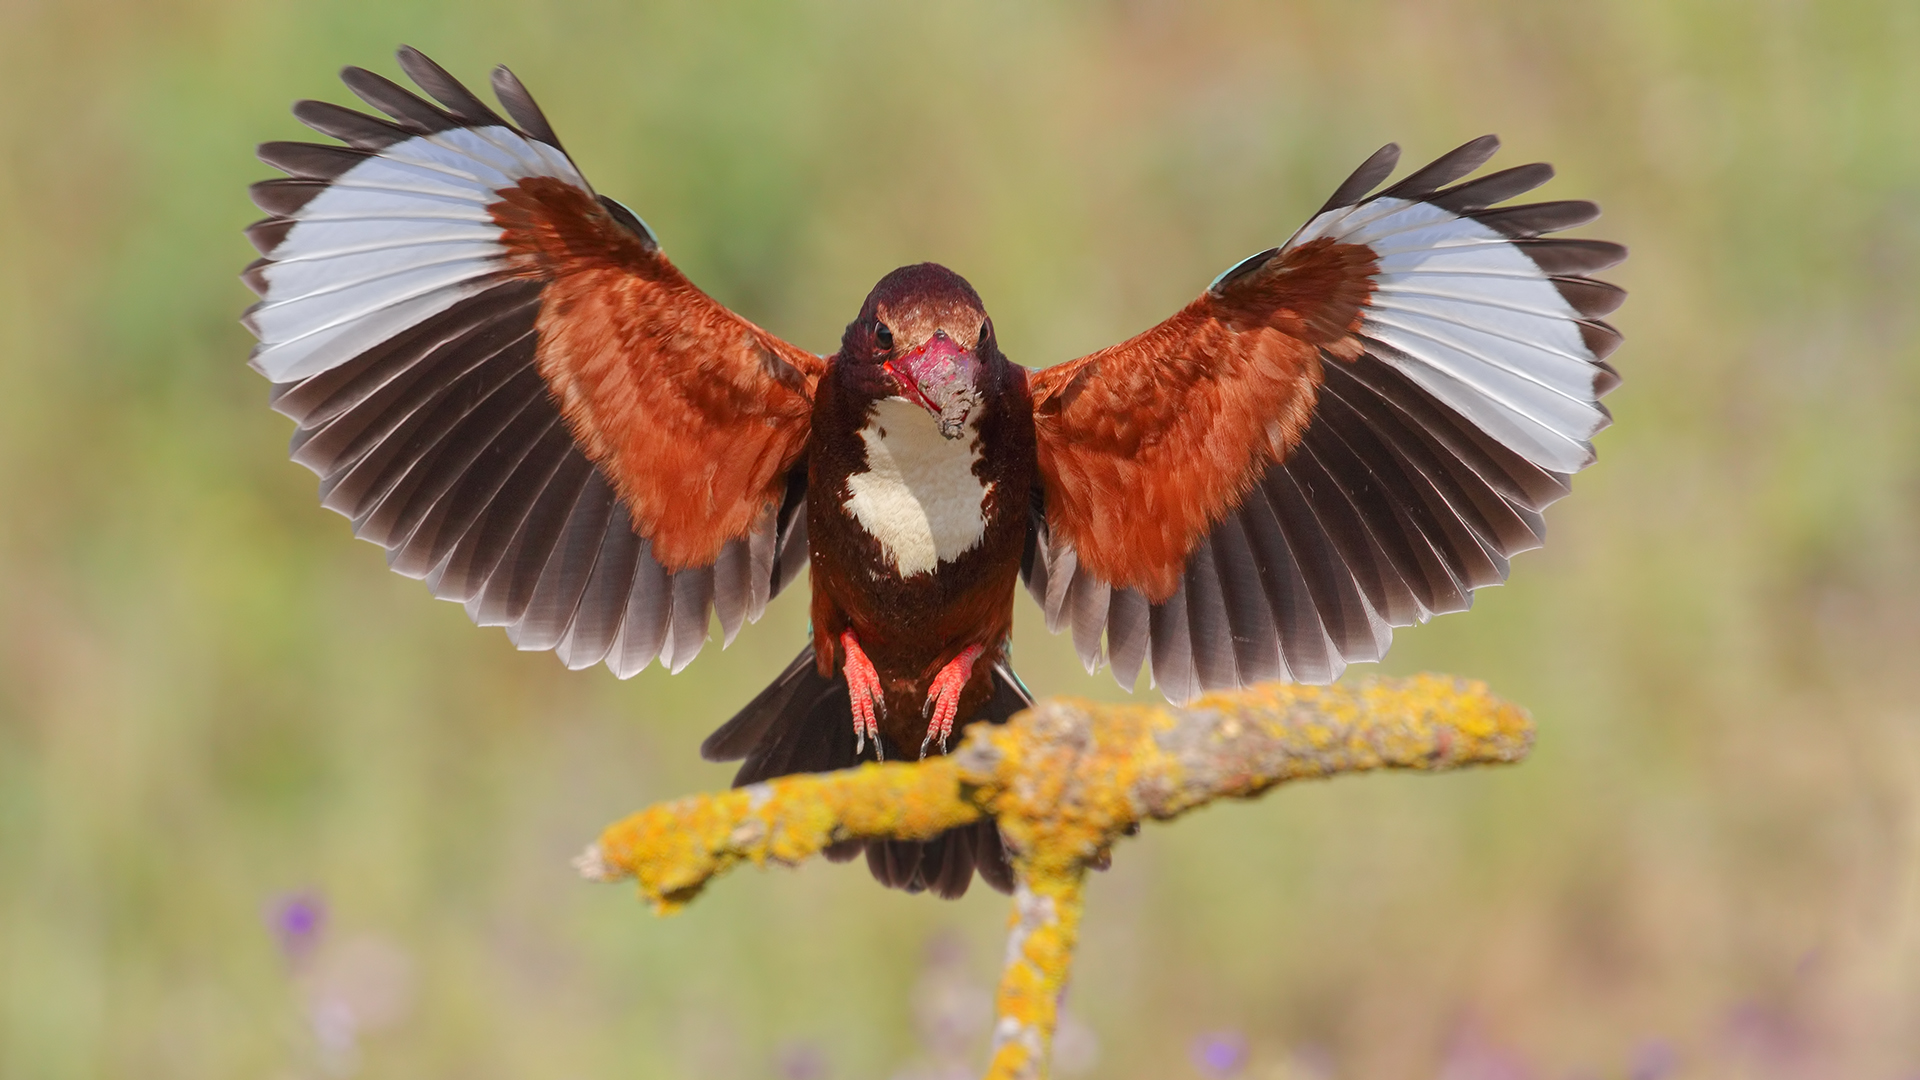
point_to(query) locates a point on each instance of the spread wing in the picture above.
(501, 380)
(1344, 434)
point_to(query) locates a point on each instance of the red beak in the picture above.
(938, 376)
(909, 386)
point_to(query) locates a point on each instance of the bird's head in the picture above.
(921, 336)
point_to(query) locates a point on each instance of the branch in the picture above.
(1065, 779)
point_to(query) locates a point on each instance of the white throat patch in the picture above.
(919, 496)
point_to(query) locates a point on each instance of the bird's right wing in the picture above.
(502, 380)
(1346, 433)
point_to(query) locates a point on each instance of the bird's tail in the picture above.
(803, 722)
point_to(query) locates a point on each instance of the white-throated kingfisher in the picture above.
(502, 381)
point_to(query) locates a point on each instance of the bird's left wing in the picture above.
(1343, 434)
(502, 380)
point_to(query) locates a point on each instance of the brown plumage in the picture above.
(912, 626)
(1145, 443)
(503, 380)
(694, 412)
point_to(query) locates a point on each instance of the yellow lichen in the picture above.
(1065, 780)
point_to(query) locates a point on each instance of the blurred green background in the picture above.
(220, 716)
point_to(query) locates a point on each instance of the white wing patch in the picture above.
(919, 496)
(1475, 322)
(394, 240)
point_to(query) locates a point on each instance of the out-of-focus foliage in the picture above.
(268, 810)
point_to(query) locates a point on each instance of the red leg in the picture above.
(943, 700)
(869, 702)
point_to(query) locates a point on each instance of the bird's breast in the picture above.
(918, 495)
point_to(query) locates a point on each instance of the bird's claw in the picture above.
(943, 698)
(869, 702)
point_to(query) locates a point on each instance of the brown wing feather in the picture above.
(1145, 445)
(503, 382)
(1344, 435)
(695, 413)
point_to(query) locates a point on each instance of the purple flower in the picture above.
(1221, 1053)
(1312, 1061)
(802, 1061)
(296, 921)
(1473, 1056)
(1654, 1060)
(1770, 1036)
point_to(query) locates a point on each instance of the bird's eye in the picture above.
(883, 335)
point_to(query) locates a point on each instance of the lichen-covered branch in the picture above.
(1066, 779)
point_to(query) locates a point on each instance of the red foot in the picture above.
(869, 703)
(943, 700)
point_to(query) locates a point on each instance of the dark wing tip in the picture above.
(1558, 257)
(1365, 178)
(1589, 298)
(355, 129)
(1605, 380)
(521, 106)
(412, 111)
(1600, 338)
(255, 276)
(1493, 188)
(1446, 168)
(1538, 219)
(450, 92)
(282, 198)
(267, 233)
(310, 161)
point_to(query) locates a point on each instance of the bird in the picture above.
(502, 380)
